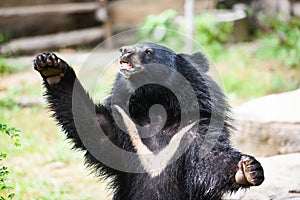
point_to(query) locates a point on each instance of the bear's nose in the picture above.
(126, 50)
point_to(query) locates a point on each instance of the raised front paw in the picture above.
(250, 172)
(50, 67)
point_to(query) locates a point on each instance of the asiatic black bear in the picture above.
(195, 116)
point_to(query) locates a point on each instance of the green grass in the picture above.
(281, 42)
(44, 166)
(246, 77)
(6, 68)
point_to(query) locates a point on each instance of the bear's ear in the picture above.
(198, 60)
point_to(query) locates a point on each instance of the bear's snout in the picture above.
(126, 50)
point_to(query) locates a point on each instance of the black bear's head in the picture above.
(142, 57)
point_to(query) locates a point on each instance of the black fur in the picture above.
(192, 176)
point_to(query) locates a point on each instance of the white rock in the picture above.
(283, 107)
(269, 125)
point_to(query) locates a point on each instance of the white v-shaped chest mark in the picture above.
(154, 164)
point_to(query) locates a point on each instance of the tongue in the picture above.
(126, 66)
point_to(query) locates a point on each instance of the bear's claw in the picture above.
(250, 172)
(50, 67)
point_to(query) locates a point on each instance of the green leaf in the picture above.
(11, 195)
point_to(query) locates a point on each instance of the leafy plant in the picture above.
(281, 42)
(5, 189)
(4, 68)
(2, 38)
(161, 28)
(211, 33)
(167, 28)
(5, 37)
(153, 23)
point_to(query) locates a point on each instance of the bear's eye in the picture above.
(149, 52)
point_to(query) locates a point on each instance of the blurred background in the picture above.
(253, 44)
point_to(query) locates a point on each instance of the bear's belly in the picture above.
(162, 187)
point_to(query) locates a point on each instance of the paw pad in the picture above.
(50, 67)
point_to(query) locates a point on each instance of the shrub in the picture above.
(4, 68)
(164, 28)
(5, 189)
(211, 33)
(281, 42)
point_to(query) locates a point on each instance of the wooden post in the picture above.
(103, 16)
(189, 24)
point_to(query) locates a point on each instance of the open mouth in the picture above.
(126, 66)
